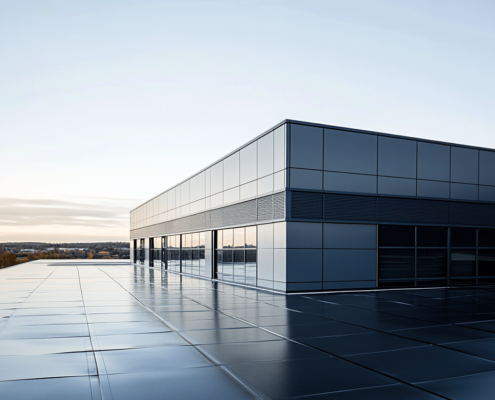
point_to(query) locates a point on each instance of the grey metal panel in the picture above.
(464, 165)
(279, 148)
(342, 182)
(280, 235)
(279, 265)
(264, 283)
(304, 265)
(265, 185)
(396, 157)
(279, 205)
(396, 186)
(304, 235)
(349, 265)
(306, 147)
(249, 163)
(265, 264)
(433, 189)
(265, 155)
(231, 171)
(487, 168)
(487, 193)
(350, 152)
(463, 191)
(433, 161)
(265, 236)
(306, 179)
(349, 236)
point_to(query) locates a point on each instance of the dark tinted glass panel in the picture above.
(462, 263)
(486, 262)
(251, 257)
(463, 237)
(239, 256)
(486, 238)
(396, 236)
(251, 236)
(463, 281)
(431, 236)
(396, 264)
(432, 263)
(227, 256)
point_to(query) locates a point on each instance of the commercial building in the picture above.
(308, 207)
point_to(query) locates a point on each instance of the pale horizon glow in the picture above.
(105, 104)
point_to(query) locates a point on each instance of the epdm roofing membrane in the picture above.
(113, 330)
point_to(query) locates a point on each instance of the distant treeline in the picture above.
(17, 253)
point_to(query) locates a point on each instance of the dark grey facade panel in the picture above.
(265, 208)
(374, 209)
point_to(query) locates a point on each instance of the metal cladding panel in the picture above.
(413, 210)
(265, 208)
(307, 205)
(472, 214)
(378, 209)
(279, 205)
(350, 208)
(249, 212)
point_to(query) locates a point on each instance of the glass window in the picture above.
(195, 240)
(432, 263)
(219, 239)
(239, 237)
(396, 264)
(396, 236)
(228, 238)
(462, 263)
(188, 240)
(463, 237)
(431, 236)
(486, 238)
(486, 262)
(251, 237)
(202, 239)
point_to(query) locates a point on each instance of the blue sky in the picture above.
(110, 102)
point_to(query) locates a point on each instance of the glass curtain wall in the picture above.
(173, 253)
(236, 255)
(435, 256)
(193, 253)
(155, 252)
(140, 251)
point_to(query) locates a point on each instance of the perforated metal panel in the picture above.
(249, 212)
(413, 210)
(472, 214)
(307, 205)
(350, 208)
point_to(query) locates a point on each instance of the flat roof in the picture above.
(97, 329)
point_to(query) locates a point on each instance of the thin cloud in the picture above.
(63, 213)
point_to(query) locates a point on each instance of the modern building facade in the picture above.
(310, 207)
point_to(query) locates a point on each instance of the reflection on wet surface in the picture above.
(107, 330)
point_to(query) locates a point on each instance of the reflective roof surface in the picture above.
(112, 330)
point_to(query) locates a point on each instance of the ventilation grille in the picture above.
(412, 210)
(472, 214)
(263, 209)
(307, 205)
(350, 208)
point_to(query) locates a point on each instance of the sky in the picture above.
(104, 104)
